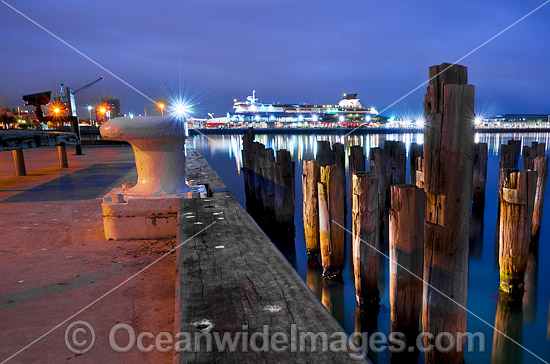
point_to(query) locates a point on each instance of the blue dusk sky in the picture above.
(211, 51)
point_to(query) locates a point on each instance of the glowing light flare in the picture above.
(478, 120)
(180, 109)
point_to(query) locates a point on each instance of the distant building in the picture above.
(113, 105)
(519, 118)
(8, 111)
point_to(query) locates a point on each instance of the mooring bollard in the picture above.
(516, 218)
(408, 204)
(540, 165)
(415, 151)
(310, 179)
(366, 237)
(480, 172)
(331, 221)
(448, 145)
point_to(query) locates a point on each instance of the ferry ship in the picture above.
(348, 113)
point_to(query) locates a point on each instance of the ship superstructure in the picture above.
(348, 111)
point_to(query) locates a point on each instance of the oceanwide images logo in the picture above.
(80, 338)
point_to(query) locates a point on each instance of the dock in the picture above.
(232, 280)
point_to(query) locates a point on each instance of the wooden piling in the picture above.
(540, 165)
(331, 222)
(416, 151)
(480, 172)
(531, 152)
(310, 179)
(324, 153)
(420, 172)
(356, 163)
(285, 193)
(516, 219)
(365, 237)
(406, 250)
(19, 162)
(339, 158)
(509, 158)
(396, 167)
(448, 168)
(62, 156)
(377, 157)
(268, 188)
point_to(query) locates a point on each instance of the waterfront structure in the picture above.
(348, 112)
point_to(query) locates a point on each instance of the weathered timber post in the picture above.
(448, 168)
(530, 297)
(377, 157)
(420, 172)
(480, 172)
(366, 237)
(540, 165)
(331, 215)
(339, 158)
(284, 189)
(268, 185)
(62, 156)
(310, 179)
(408, 204)
(324, 153)
(416, 151)
(509, 158)
(396, 168)
(509, 321)
(356, 163)
(531, 152)
(19, 162)
(516, 219)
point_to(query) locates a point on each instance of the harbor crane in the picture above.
(63, 105)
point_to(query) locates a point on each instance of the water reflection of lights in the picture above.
(301, 147)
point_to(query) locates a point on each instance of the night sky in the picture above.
(289, 51)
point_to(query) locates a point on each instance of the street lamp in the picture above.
(161, 106)
(90, 111)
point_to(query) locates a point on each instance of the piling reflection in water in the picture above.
(530, 295)
(366, 323)
(477, 219)
(509, 321)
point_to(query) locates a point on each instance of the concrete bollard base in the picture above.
(127, 216)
